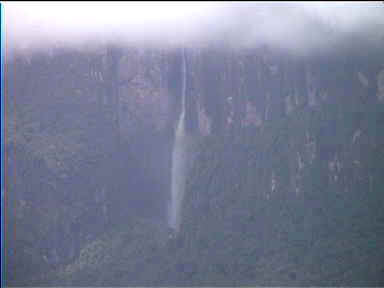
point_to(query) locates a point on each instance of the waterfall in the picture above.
(179, 159)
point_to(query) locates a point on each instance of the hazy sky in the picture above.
(297, 26)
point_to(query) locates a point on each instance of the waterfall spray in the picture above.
(179, 160)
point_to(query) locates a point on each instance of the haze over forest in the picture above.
(194, 143)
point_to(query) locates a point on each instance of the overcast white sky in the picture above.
(299, 26)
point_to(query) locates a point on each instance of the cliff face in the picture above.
(287, 162)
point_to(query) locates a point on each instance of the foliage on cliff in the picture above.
(286, 189)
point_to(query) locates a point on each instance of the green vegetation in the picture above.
(297, 200)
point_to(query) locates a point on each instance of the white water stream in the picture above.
(179, 160)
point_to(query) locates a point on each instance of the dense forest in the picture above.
(284, 180)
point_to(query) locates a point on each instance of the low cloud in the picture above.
(292, 26)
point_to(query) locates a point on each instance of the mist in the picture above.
(194, 144)
(301, 28)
